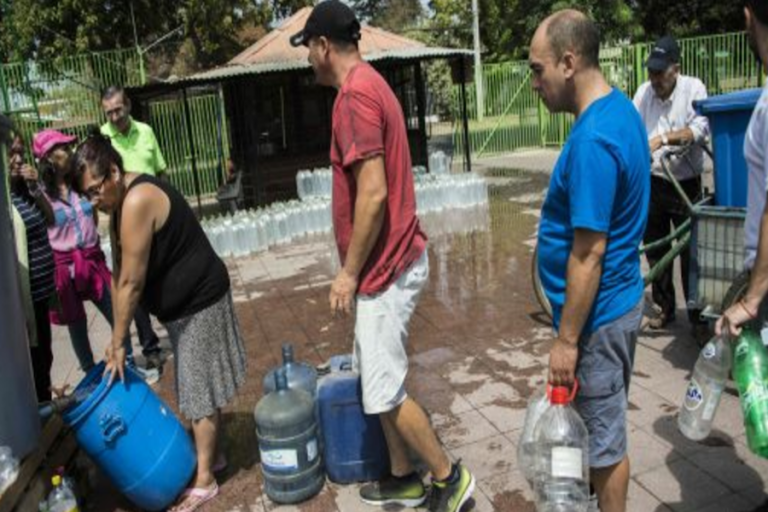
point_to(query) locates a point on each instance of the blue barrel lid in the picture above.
(731, 102)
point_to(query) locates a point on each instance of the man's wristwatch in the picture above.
(664, 139)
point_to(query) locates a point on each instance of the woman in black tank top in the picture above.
(163, 261)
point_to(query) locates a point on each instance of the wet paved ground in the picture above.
(479, 345)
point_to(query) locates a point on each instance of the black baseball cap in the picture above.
(663, 54)
(332, 19)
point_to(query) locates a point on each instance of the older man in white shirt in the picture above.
(665, 103)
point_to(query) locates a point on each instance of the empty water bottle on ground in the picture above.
(750, 371)
(705, 389)
(538, 404)
(61, 498)
(561, 482)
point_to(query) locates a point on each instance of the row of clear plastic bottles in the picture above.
(252, 231)
(456, 221)
(319, 182)
(436, 192)
(316, 183)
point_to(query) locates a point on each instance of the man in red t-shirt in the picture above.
(383, 255)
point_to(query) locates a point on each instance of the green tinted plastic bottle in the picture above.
(750, 371)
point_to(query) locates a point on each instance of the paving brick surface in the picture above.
(479, 346)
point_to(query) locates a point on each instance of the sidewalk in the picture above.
(479, 346)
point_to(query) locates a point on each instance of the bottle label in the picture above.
(566, 462)
(755, 393)
(742, 349)
(712, 403)
(693, 396)
(709, 351)
(312, 450)
(280, 460)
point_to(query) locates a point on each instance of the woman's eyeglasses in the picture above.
(95, 190)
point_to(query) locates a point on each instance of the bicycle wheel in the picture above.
(538, 288)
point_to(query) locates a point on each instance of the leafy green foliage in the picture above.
(211, 31)
(392, 15)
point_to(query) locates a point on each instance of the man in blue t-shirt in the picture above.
(592, 223)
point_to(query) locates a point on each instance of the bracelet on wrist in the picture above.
(746, 309)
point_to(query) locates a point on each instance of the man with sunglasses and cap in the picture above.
(665, 103)
(383, 253)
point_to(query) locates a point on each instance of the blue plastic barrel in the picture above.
(729, 116)
(133, 437)
(354, 446)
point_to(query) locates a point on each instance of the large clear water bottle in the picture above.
(705, 389)
(561, 482)
(538, 404)
(61, 498)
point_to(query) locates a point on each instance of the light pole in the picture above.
(478, 61)
(140, 51)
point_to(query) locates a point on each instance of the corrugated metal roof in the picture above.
(234, 70)
(273, 53)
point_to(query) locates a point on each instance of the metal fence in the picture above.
(64, 94)
(515, 118)
(210, 135)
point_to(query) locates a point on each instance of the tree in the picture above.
(51, 28)
(506, 26)
(392, 15)
(690, 18)
(280, 9)
(211, 29)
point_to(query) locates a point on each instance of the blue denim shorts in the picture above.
(604, 369)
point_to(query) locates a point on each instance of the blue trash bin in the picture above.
(133, 437)
(729, 116)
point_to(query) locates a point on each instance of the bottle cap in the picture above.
(561, 395)
(56, 480)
